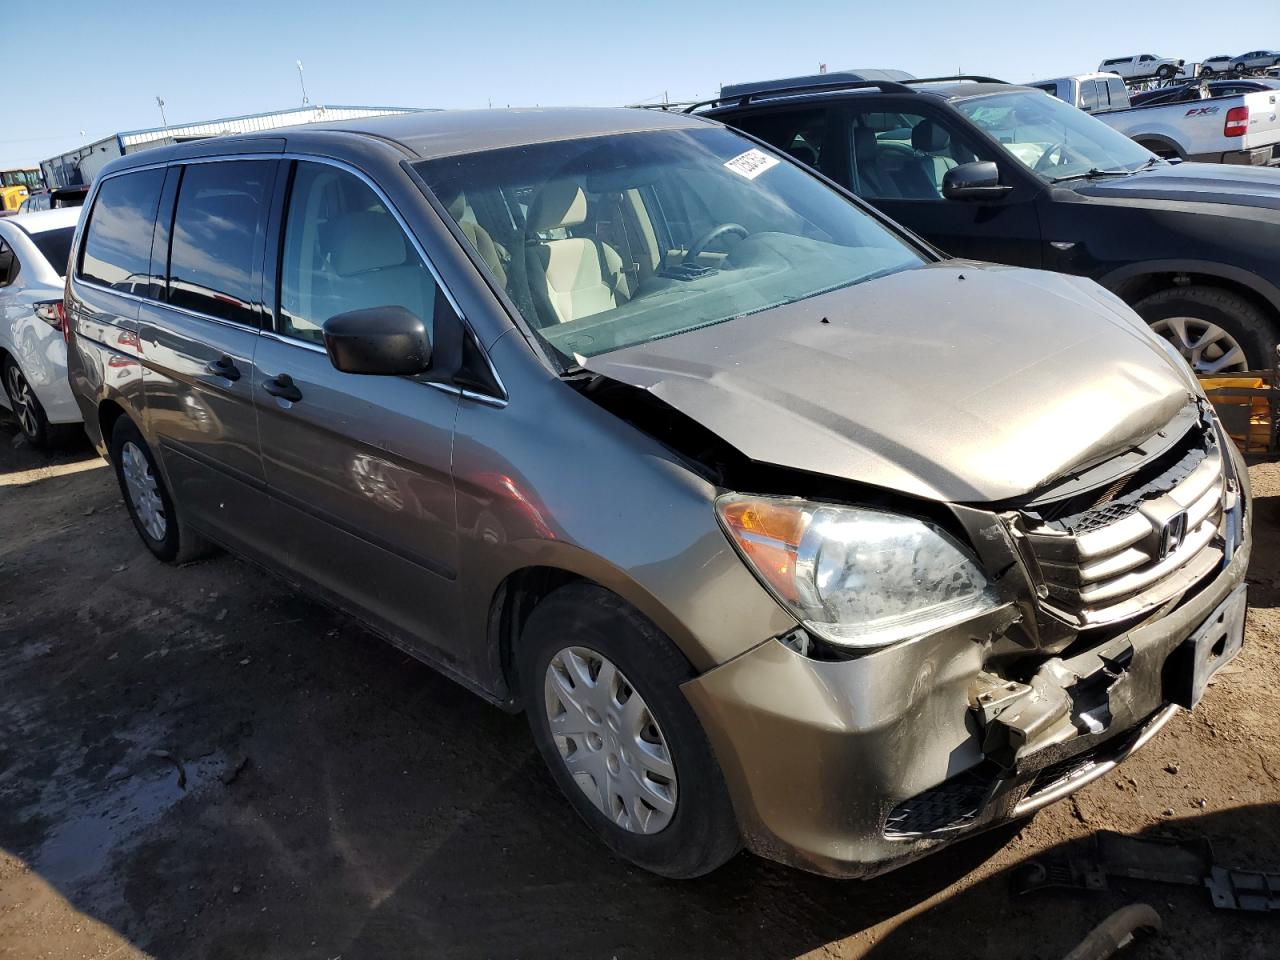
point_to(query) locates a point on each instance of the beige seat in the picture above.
(490, 252)
(572, 277)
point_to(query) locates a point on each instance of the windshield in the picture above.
(611, 241)
(55, 246)
(1053, 138)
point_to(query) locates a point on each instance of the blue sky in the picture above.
(105, 62)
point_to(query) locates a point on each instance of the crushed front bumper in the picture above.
(852, 767)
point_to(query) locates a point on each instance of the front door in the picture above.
(897, 161)
(359, 466)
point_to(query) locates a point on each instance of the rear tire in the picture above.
(148, 501)
(26, 407)
(1245, 326)
(702, 831)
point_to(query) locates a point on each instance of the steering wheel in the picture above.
(715, 233)
(1043, 165)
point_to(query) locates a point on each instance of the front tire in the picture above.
(1219, 332)
(601, 688)
(148, 500)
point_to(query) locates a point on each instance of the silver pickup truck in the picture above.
(1243, 129)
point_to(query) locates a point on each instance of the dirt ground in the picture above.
(199, 763)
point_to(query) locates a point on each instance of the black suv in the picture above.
(991, 171)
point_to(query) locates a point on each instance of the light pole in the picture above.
(163, 120)
(302, 83)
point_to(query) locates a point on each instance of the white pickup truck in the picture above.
(1244, 128)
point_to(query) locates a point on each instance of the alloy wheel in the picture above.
(609, 740)
(143, 491)
(1207, 347)
(24, 402)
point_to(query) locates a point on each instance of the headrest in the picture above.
(928, 137)
(457, 206)
(560, 203)
(864, 141)
(804, 153)
(366, 240)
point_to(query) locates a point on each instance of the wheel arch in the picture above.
(1155, 143)
(109, 411)
(1136, 281)
(518, 593)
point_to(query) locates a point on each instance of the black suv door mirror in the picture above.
(979, 180)
(386, 341)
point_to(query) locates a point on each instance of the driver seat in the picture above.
(571, 277)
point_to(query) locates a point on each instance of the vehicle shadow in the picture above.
(18, 458)
(1264, 566)
(1192, 927)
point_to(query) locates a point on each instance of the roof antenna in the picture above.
(302, 83)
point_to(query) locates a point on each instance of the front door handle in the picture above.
(283, 387)
(223, 367)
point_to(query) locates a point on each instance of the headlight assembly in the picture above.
(856, 577)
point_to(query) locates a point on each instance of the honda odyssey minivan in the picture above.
(783, 530)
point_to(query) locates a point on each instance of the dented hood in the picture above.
(957, 381)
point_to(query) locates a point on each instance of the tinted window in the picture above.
(906, 155)
(8, 265)
(343, 251)
(55, 246)
(800, 133)
(1089, 96)
(117, 245)
(218, 228)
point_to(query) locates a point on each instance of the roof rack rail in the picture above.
(668, 106)
(741, 100)
(972, 78)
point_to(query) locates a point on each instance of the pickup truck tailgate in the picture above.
(1264, 121)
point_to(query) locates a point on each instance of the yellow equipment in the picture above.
(16, 186)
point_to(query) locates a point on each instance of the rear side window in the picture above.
(117, 247)
(8, 265)
(218, 229)
(344, 250)
(55, 246)
(800, 133)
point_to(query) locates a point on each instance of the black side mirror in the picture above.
(386, 341)
(979, 180)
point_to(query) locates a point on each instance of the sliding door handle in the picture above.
(223, 367)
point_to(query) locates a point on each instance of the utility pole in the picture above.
(302, 83)
(163, 120)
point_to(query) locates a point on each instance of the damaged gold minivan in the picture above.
(784, 530)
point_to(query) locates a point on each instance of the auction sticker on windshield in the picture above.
(751, 164)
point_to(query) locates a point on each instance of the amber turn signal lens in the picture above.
(768, 534)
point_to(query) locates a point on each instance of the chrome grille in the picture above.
(1125, 555)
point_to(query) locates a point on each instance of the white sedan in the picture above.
(34, 249)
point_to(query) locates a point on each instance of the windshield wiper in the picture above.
(1094, 173)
